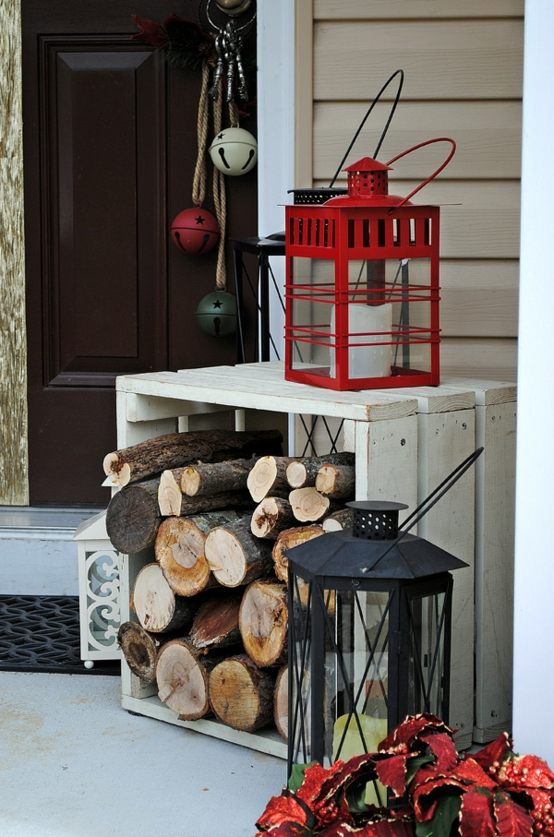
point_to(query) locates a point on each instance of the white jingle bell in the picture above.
(234, 151)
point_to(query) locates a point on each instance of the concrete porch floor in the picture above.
(73, 763)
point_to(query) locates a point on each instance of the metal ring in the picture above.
(238, 29)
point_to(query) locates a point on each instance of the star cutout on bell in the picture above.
(220, 136)
(199, 219)
(217, 303)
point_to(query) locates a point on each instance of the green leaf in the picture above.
(441, 824)
(297, 776)
(414, 765)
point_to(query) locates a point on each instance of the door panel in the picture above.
(110, 150)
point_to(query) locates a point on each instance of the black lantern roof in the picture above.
(373, 548)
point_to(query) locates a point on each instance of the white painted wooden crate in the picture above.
(406, 442)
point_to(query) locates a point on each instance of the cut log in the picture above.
(216, 623)
(308, 505)
(182, 675)
(336, 481)
(339, 519)
(157, 607)
(288, 539)
(281, 703)
(270, 517)
(302, 472)
(263, 622)
(268, 476)
(155, 455)
(235, 556)
(204, 479)
(140, 650)
(133, 517)
(171, 500)
(180, 550)
(241, 695)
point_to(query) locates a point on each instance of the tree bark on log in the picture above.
(270, 517)
(205, 478)
(302, 472)
(339, 519)
(182, 675)
(241, 695)
(336, 481)
(235, 556)
(263, 622)
(281, 703)
(288, 539)
(157, 607)
(308, 505)
(155, 455)
(180, 550)
(216, 623)
(268, 476)
(172, 502)
(133, 517)
(140, 650)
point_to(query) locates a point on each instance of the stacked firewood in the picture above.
(220, 509)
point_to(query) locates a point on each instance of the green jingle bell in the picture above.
(216, 314)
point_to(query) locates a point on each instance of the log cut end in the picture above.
(139, 649)
(308, 505)
(179, 551)
(263, 622)
(296, 474)
(190, 481)
(240, 694)
(117, 470)
(155, 604)
(271, 516)
(288, 539)
(169, 495)
(182, 681)
(262, 477)
(235, 556)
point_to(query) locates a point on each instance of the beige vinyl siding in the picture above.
(463, 65)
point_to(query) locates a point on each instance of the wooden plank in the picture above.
(479, 219)
(445, 440)
(442, 59)
(487, 393)
(271, 393)
(488, 136)
(265, 741)
(441, 399)
(479, 358)
(397, 9)
(148, 408)
(479, 299)
(386, 461)
(494, 581)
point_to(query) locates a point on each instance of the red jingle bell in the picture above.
(195, 231)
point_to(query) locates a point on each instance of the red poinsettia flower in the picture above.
(526, 772)
(512, 819)
(407, 733)
(282, 810)
(476, 814)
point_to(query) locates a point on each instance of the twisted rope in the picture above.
(220, 201)
(202, 123)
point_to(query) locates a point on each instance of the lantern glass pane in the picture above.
(389, 317)
(311, 296)
(426, 680)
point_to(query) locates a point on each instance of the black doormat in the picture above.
(41, 633)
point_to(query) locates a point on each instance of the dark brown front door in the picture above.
(110, 149)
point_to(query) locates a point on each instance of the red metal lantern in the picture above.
(195, 231)
(362, 287)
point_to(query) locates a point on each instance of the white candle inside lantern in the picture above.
(367, 324)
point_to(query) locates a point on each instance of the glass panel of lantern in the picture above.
(362, 288)
(369, 635)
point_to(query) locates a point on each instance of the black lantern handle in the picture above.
(426, 505)
(400, 74)
(435, 173)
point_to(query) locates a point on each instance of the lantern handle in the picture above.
(400, 74)
(431, 176)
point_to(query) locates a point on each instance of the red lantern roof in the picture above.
(368, 164)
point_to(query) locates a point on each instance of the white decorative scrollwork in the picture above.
(103, 588)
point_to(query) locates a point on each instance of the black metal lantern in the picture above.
(369, 635)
